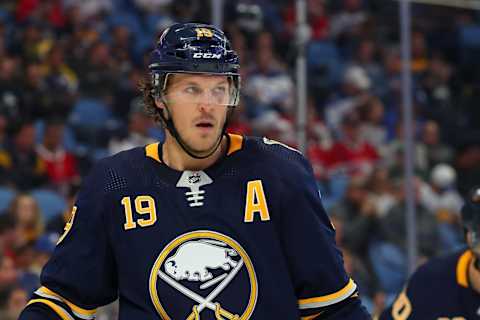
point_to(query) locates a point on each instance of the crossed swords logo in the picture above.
(206, 302)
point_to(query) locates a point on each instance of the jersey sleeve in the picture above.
(323, 288)
(81, 274)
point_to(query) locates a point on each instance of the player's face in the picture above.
(198, 106)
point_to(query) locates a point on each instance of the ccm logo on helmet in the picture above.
(206, 55)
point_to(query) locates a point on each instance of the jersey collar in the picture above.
(235, 143)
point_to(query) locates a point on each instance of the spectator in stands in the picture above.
(359, 218)
(126, 92)
(122, 49)
(24, 262)
(61, 165)
(351, 152)
(346, 25)
(24, 169)
(16, 300)
(36, 99)
(436, 84)
(248, 16)
(435, 150)
(34, 42)
(99, 72)
(8, 277)
(61, 81)
(139, 124)
(8, 234)
(367, 57)
(440, 196)
(318, 20)
(420, 59)
(442, 199)
(152, 5)
(84, 34)
(43, 250)
(354, 94)
(373, 128)
(88, 9)
(10, 93)
(50, 12)
(388, 254)
(28, 219)
(392, 64)
(269, 90)
(393, 155)
(381, 191)
(320, 144)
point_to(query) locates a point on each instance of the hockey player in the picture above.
(446, 288)
(207, 225)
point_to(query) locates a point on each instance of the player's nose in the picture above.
(205, 106)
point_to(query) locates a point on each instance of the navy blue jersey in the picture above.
(246, 238)
(438, 290)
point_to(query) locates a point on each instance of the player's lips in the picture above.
(205, 124)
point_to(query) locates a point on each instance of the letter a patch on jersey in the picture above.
(256, 202)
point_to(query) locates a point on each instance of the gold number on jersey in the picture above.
(402, 308)
(256, 202)
(203, 33)
(144, 205)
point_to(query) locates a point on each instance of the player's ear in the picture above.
(159, 103)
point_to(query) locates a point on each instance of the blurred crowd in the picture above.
(69, 74)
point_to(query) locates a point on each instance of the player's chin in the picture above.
(205, 143)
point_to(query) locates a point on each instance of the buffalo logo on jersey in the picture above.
(203, 275)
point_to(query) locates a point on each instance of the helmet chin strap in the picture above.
(174, 132)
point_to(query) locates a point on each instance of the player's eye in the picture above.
(219, 91)
(193, 90)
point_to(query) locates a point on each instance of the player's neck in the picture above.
(176, 158)
(474, 276)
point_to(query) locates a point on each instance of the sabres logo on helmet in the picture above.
(210, 272)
